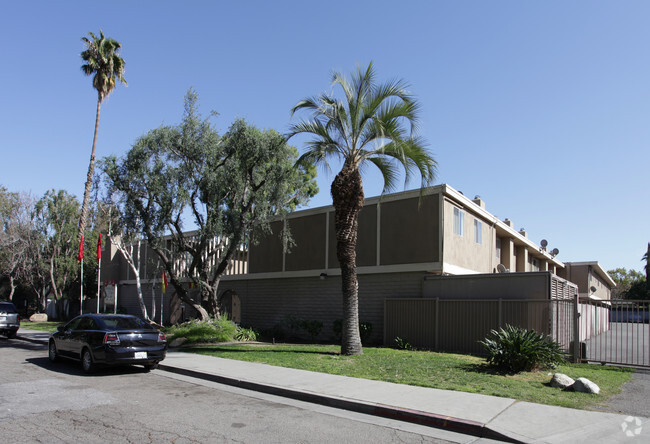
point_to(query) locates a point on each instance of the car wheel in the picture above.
(87, 361)
(53, 353)
(149, 367)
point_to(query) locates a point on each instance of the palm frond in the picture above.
(388, 172)
(373, 123)
(309, 103)
(102, 60)
(414, 158)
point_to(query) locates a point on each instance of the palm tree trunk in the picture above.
(646, 257)
(347, 197)
(89, 179)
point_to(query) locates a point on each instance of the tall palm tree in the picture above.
(372, 123)
(101, 60)
(646, 258)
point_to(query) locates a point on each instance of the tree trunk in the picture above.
(347, 197)
(153, 298)
(89, 179)
(213, 286)
(182, 294)
(42, 302)
(52, 279)
(12, 286)
(138, 283)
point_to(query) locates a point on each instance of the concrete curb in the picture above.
(32, 340)
(459, 425)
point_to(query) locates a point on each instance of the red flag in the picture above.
(81, 249)
(99, 247)
(164, 282)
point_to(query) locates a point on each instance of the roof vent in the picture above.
(478, 201)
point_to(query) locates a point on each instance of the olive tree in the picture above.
(177, 178)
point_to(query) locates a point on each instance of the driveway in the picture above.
(626, 343)
(633, 399)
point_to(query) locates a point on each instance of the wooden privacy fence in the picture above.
(457, 325)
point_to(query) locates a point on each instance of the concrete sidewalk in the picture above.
(478, 415)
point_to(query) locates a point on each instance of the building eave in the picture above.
(599, 270)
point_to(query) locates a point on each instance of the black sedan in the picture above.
(108, 339)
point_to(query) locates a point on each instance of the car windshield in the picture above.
(7, 307)
(125, 323)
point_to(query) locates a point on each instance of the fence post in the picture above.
(436, 331)
(576, 329)
(500, 315)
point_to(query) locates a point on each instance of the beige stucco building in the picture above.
(438, 231)
(429, 244)
(592, 280)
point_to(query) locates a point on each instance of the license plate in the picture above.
(140, 355)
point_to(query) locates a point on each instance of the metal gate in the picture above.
(615, 332)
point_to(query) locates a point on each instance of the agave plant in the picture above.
(514, 349)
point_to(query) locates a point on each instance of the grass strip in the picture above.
(49, 326)
(436, 370)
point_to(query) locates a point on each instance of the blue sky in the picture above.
(541, 108)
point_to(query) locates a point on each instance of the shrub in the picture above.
(274, 334)
(246, 334)
(313, 328)
(365, 330)
(213, 330)
(514, 349)
(402, 344)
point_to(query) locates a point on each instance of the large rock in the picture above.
(583, 385)
(38, 317)
(177, 342)
(560, 380)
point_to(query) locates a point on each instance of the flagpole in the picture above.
(99, 268)
(81, 298)
(80, 258)
(99, 273)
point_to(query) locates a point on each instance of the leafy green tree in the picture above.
(16, 235)
(101, 60)
(371, 124)
(625, 280)
(57, 214)
(228, 188)
(638, 291)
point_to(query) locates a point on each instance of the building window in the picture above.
(498, 248)
(459, 221)
(478, 227)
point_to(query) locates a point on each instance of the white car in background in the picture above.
(9, 319)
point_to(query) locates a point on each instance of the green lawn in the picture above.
(438, 370)
(49, 327)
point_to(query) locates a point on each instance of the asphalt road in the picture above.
(56, 403)
(633, 399)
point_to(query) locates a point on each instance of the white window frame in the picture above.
(459, 221)
(478, 232)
